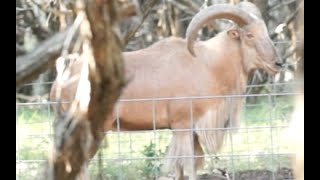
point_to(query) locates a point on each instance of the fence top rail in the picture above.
(248, 86)
(177, 98)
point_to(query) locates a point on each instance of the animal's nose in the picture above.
(279, 64)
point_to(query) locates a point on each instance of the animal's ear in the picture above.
(234, 33)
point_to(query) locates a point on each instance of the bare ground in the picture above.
(280, 174)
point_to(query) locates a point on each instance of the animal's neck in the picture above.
(226, 58)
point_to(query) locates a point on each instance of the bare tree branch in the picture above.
(127, 10)
(31, 98)
(19, 50)
(130, 33)
(278, 4)
(193, 6)
(185, 8)
(29, 66)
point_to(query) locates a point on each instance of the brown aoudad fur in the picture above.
(167, 69)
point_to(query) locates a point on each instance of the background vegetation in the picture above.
(135, 155)
(258, 144)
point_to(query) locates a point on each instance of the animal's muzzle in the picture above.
(279, 65)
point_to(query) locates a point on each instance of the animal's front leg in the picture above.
(184, 146)
(178, 172)
(193, 175)
(179, 175)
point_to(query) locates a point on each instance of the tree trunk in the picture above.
(78, 133)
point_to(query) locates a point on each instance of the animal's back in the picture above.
(164, 69)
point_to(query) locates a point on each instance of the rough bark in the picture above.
(78, 134)
(107, 79)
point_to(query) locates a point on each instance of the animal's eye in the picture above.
(249, 35)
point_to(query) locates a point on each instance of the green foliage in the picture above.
(116, 170)
(152, 166)
(33, 149)
(34, 114)
(29, 170)
(124, 156)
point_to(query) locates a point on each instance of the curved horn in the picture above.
(226, 11)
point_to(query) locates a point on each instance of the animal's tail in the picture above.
(183, 151)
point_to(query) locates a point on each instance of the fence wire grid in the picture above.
(258, 147)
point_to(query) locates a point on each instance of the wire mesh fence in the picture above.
(258, 148)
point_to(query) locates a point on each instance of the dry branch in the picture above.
(127, 11)
(31, 98)
(185, 9)
(130, 33)
(194, 7)
(29, 66)
(19, 50)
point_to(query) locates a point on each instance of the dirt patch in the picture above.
(280, 174)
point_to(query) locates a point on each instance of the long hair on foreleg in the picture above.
(184, 143)
(223, 113)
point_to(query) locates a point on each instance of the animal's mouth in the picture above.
(272, 69)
